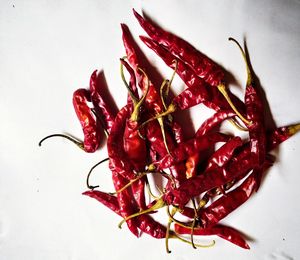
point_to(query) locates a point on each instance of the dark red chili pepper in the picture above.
(117, 157)
(274, 138)
(202, 65)
(228, 233)
(87, 120)
(101, 107)
(188, 148)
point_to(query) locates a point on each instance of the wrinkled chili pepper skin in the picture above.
(135, 146)
(281, 134)
(223, 154)
(153, 101)
(188, 148)
(87, 120)
(102, 108)
(106, 199)
(222, 231)
(126, 202)
(209, 96)
(202, 65)
(144, 222)
(214, 121)
(208, 180)
(118, 161)
(226, 204)
(255, 112)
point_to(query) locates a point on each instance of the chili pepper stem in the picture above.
(174, 235)
(90, 172)
(159, 204)
(294, 129)
(238, 126)
(73, 140)
(174, 210)
(137, 106)
(222, 89)
(162, 127)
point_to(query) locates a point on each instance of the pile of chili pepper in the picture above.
(201, 185)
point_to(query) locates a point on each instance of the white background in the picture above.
(48, 49)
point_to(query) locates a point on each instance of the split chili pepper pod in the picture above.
(90, 127)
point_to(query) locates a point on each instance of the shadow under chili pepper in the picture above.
(106, 94)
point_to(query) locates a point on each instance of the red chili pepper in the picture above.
(202, 65)
(188, 148)
(87, 120)
(281, 134)
(117, 157)
(101, 107)
(214, 121)
(106, 199)
(144, 222)
(222, 156)
(225, 232)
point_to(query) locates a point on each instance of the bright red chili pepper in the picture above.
(87, 120)
(102, 108)
(203, 66)
(225, 232)
(188, 148)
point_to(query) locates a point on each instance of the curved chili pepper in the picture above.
(208, 125)
(214, 121)
(228, 233)
(221, 156)
(203, 66)
(101, 107)
(87, 120)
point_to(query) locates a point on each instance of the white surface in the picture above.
(50, 48)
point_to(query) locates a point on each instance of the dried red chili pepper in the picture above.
(188, 148)
(225, 232)
(106, 199)
(221, 156)
(144, 222)
(118, 161)
(281, 134)
(203, 66)
(101, 107)
(87, 120)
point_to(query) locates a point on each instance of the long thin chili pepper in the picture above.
(225, 232)
(144, 222)
(205, 67)
(188, 148)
